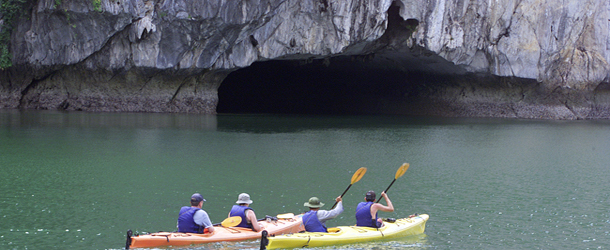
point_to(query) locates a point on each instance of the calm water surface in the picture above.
(81, 180)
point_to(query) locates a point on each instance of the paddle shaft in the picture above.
(355, 178)
(401, 170)
(336, 202)
(386, 190)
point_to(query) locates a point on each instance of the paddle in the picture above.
(401, 170)
(230, 222)
(285, 216)
(355, 178)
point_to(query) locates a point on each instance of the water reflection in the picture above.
(27, 118)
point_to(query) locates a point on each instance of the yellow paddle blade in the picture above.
(231, 221)
(358, 175)
(402, 170)
(285, 216)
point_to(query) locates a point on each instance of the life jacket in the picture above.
(240, 211)
(186, 223)
(363, 215)
(311, 222)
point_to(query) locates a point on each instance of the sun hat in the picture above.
(243, 198)
(314, 202)
(196, 197)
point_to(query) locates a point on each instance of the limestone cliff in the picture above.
(513, 58)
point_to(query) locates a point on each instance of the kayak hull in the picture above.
(350, 234)
(278, 227)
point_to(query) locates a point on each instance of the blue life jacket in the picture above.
(363, 215)
(311, 222)
(186, 223)
(240, 211)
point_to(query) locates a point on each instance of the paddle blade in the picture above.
(231, 221)
(358, 175)
(401, 170)
(285, 216)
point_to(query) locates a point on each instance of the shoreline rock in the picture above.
(517, 59)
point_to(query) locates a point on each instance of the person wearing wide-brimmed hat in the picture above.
(243, 210)
(315, 219)
(193, 219)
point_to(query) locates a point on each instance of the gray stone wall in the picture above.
(171, 56)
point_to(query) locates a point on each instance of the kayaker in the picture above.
(366, 212)
(315, 219)
(193, 219)
(243, 210)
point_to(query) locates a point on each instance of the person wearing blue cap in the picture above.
(193, 219)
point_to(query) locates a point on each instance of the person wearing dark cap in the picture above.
(315, 219)
(193, 219)
(366, 212)
(243, 210)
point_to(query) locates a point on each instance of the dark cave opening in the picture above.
(344, 84)
(288, 87)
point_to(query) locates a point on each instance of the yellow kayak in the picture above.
(348, 234)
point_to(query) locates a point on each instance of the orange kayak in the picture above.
(284, 223)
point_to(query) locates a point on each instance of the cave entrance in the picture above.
(311, 87)
(347, 84)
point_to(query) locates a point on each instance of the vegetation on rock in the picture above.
(9, 11)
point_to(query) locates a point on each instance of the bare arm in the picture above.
(379, 207)
(252, 218)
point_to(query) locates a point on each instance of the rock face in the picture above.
(515, 58)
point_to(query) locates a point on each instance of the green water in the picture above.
(81, 180)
